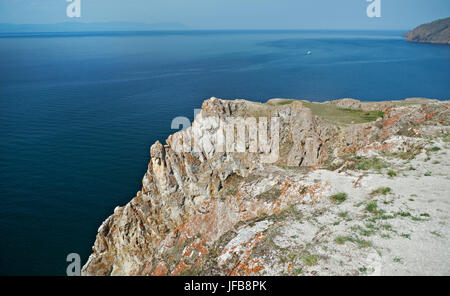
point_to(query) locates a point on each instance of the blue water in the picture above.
(79, 111)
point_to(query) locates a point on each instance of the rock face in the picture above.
(435, 32)
(207, 203)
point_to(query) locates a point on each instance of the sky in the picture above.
(234, 14)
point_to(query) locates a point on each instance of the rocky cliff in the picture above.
(435, 32)
(216, 194)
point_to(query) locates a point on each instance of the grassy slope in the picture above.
(335, 114)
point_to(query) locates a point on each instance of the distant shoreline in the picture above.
(437, 32)
(88, 33)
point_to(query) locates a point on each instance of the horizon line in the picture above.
(183, 27)
(212, 30)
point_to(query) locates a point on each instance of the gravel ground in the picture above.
(402, 229)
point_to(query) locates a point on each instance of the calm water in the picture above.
(79, 112)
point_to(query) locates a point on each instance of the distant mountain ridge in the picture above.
(434, 32)
(78, 26)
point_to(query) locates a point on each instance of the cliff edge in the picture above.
(286, 187)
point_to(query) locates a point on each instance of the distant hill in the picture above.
(435, 32)
(88, 27)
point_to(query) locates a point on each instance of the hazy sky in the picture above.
(234, 14)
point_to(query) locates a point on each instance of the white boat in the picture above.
(308, 52)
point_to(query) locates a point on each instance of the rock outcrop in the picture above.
(435, 32)
(207, 201)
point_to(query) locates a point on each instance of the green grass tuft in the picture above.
(381, 191)
(343, 214)
(398, 260)
(309, 259)
(391, 173)
(339, 198)
(374, 163)
(372, 207)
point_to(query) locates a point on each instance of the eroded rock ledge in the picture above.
(209, 212)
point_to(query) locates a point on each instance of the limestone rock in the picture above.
(197, 193)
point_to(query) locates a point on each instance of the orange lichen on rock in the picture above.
(160, 269)
(244, 265)
(180, 268)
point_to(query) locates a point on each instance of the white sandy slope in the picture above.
(411, 236)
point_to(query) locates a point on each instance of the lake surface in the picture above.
(79, 111)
